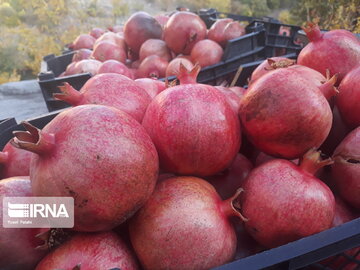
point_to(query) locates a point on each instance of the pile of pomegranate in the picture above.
(152, 47)
(189, 176)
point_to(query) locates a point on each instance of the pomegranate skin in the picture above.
(97, 32)
(336, 50)
(95, 251)
(151, 86)
(154, 47)
(284, 115)
(14, 162)
(85, 66)
(109, 89)
(346, 168)
(106, 50)
(174, 66)
(231, 31)
(83, 41)
(348, 99)
(106, 150)
(216, 31)
(183, 30)
(152, 66)
(114, 66)
(17, 245)
(184, 221)
(81, 55)
(206, 53)
(189, 143)
(284, 203)
(232, 98)
(113, 38)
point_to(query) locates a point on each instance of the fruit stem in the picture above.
(69, 94)
(188, 77)
(328, 89)
(311, 162)
(312, 31)
(4, 156)
(33, 140)
(231, 206)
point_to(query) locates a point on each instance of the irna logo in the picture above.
(26, 210)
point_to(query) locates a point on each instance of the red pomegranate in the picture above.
(154, 47)
(162, 19)
(152, 66)
(206, 53)
(113, 38)
(188, 224)
(232, 98)
(114, 66)
(87, 251)
(86, 66)
(14, 162)
(346, 168)
(106, 50)
(285, 115)
(239, 91)
(109, 89)
(97, 32)
(151, 86)
(173, 67)
(228, 181)
(336, 50)
(183, 30)
(231, 31)
(93, 146)
(83, 41)
(193, 127)
(70, 69)
(17, 245)
(81, 55)
(139, 28)
(284, 202)
(349, 97)
(263, 158)
(216, 31)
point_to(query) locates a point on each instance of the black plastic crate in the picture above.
(58, 64)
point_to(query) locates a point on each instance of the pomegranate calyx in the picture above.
(328, 89)
(53, 238)
(69, 94)
(33, 140)
(311, 162)
(312, 31)
(346, 159)
(4, 156)
(280, 63)
(188, 77)
(231, 206)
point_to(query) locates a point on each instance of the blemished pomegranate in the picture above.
(188, 224)
(349, 97)
(285, 115)
(231, 179)
(109, 89)
(232, 98)
(206, 53)
(106, 50)
(194, 129)
(183, 30)
(284, 202)
(152, 66)
(154, 47)
(216, 31)
(173, 67)
(114, 66)
(17, 245)
(81, 55)
(104, 250)
(14, 162)
(92, 146)
(336, 50)
(139, 28)
(346, 168)
(151, 86)
(97, 32)
(231, 31)
(113, 38)
(83, 41)
(86, 66)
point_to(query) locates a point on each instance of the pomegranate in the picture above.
(97, 32)
(284, 202)
(81, 55)
(70, 69)
(17, 245)
(154, 47)
(116, 28)
(228, 181)
(106, 50)
(113, 66)
(231, 31)
(152, 66)
(263, 158)
(188, 224)
(216, 31)
(151, 86)
(232, 98)
(113, 38)
(92, 146)
(336, 50)
(161, 19)
(239, 91)
(346, 168)
(14, 162)
(206, 53)
(83, 41)
(104, 250)
(174, 66)
(284, 115)
(348, 99)
(109, 89)
(86, 66)
(193, 127)
(183, 30)
(139, 28)
(135, 64)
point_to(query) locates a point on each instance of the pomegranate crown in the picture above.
(312, 31)
(188, 77)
